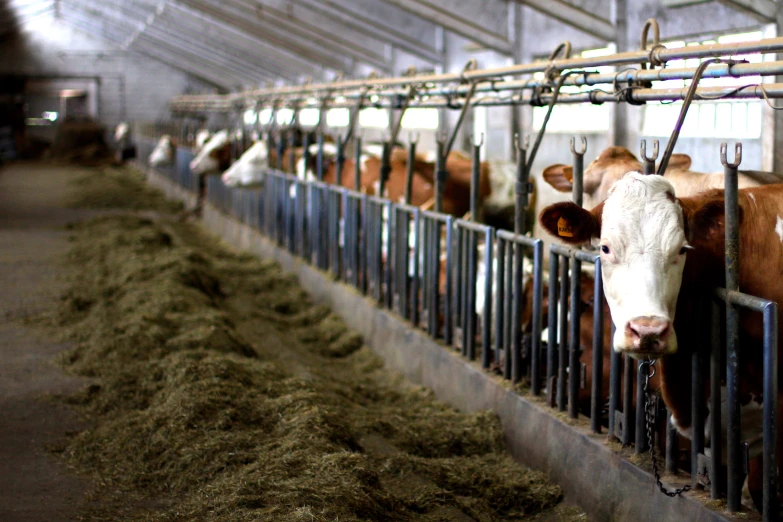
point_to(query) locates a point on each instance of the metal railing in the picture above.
(393, 253)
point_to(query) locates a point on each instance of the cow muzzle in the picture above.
(647, 336)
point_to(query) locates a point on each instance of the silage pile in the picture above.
(121, 187)
(222, 393)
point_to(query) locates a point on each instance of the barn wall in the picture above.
(131, 86)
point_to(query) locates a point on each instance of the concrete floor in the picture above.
(34, 486)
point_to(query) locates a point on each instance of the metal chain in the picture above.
(647, 371)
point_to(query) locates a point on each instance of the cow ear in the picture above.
(679, 162)
(571, 223)
(615, 152)
(560, 176)
(705, 222)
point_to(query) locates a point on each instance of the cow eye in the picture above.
(605, 249)
(683, 250)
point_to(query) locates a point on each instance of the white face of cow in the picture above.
(249, 168)
(121, 132)
(641, 237)
(204, 162)
(202, 137)
(643, 250)
(162, 154)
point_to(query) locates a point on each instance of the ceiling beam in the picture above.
(763, 10)
(272, 37)
(124, 18)
(205, 75)
(371, 27)
(457, 24)
(575, 17)
(317, 35)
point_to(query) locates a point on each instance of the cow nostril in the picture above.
(634, 331)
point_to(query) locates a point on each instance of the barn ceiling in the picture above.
(243, 43)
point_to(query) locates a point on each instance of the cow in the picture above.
(164, 152)
(202, 138)
(249, 169)
(660, 254)
(214, 156)
(614, 162)
(555, 182)
(122, 132)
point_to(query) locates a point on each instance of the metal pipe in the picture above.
(357, 167)
(551, 363)
(615, 362)
(475, 171)
(409, 171)
(733, 457)
(770, 500)
(538, 290)
(715, 398)
(658, 55)
(441, 175)
(598, 350)
(562, 375)
(628, 367)
(648, 162)
(574, 373)
(486, 327)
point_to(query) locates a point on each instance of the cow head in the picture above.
(641, 231)
(605, 171)
(215, 155)
(249, 167)
(121, 132)
(163, 153)
(202, 137)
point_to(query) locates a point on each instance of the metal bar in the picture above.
(770, 500)
(486, 327)
(596, 401)
(697, 409)
(447, 298)
(357, 167)
(500, 300)
(733, 435)
(764, 11)
(391, 226)
(640, 444)
(551, 363)
(661, 55)
(441, 176)
(563, 337)
(538, 290)
(409, 171)
(475, 170)
(415, 278)
(574, 372)
(615, 362)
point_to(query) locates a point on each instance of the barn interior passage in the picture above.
(562, 219)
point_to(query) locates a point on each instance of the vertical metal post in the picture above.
(447, 298)
(357, 167)
(538, 290)
(319, 159)
(770, 498)
(415, 277)
(500, 298)
(734, 457)
(486, 327)
(551, 363)
(385, 168)
(615, 362)
(596, 401)
(562, 375)
(340, 161)
(522, 188)
(697, 409)
(576, 270)
(280, 151)
(628, 367)
(292, 152)
(441, 175)
(409, 171)
(640, 446)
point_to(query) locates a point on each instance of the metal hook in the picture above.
(410, 71)
(650, 23)
(737, 155)
(471, 65)
(644, 151)
(573, 146)
(441, 137)
(412, 140)
(481, 140)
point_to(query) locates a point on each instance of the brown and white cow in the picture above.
(659, 255)
(164, 152)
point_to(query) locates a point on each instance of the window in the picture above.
(581, 117)
(265, 116)
(309, 117)
(708, 119)
(338, 117)
(420, 118)
(374, 118)
(250, 117)
(284, 116)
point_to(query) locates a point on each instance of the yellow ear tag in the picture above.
(563, 228)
